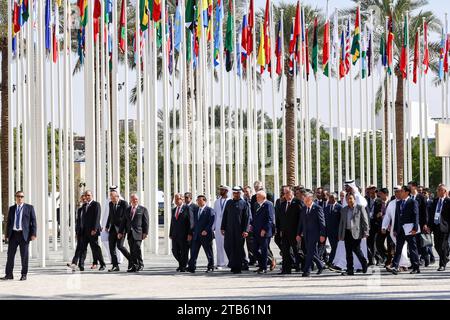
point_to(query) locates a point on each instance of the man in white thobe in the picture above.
(219, 206)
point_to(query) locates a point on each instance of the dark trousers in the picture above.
(261, 250)
(250, 243)
(79, 253)
(312, 255)
(390, 249)
(353, 246)
(180, 250)
(371, 251)
(333, 243)
(423, 251)
(135, 252)
(289, 251)
(113, 243)
(92, 241)
(380, 239)
(412, 248)
(441, 246)
(206, 244)
(15, 241)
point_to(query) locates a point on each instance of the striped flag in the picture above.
(326, 49)
(356, 44)
(278, 52)
(416, 57)
(403, 62)
(348, 64)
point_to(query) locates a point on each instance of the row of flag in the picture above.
(198, 21)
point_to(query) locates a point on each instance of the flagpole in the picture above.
(115, 141)
(167, 188)
(347, 151)
(301, 111)
(53, 144)
(409, 101)
(330, 109)
(175, 153)
(276, 177)
(104, 102)
(373, 106)
(283, 109)
(362, 114)
(388, 121)
(10, 140)
(183, 90)
(338, 103)
(19, 102)
(140, 174)
(368, 109)
(296, 169)
(237, 147)
(98, 112)
(255, 105)
(425, 116)
(419, 71)
(223, 155)
(405, 120)
(447, 159)
(443, 159)
(352, 140)
(206, 128)
(126, 99)
(212, 129)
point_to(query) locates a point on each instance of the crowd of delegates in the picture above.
(346, 232)
(314, 230)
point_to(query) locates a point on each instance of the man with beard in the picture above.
(234, 228)
(219, 207)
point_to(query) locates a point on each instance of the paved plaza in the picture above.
(160, 281)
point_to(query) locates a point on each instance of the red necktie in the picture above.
(177, 213)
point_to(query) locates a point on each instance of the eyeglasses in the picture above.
(20, 196)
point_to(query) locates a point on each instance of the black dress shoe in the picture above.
(415, 271)
(285, 272)
(262, 271)
(132, 270)
(320, 271)
(306, 275)
(364, 269)
(7, 278)
(210, 269)
(23, 277)
(348, 273)
(114, 269)
(190, 270)
(178, 269)
(182, 270)
(102, 268)
(441, 268)
(81, 268)
(237, 271)
(394, 271)
(140, 268)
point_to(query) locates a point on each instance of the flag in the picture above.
(218, 32)
(302, 15)
(342, 71)
(390, 43)
(48, 28)
(326, 48)
(441, 56)
(244, 40)
(293, 43)
(416, 57)
(335, 46)
(278, 46)
(363, 57)
(210, 12)
(238, 53)
(143, 13)
(356, 45)
(16, 20)
(261, 54)
(403, 62)
(348, 64)
(156, 10)
(291, 54)
(251, 25)
(108, 11)
(55, 48)
(122, 27)
(382, 61)
(426, 52)
(447, 45)
(82, 5)
(170, 47)
(178, 30)
(307, 54)
(189, 13)
(204, 10)
(267, 34)
(315, 49)
(25, 10)
(369, 54)
(97, 14)
(229, 39)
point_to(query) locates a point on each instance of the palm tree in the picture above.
(416, 14)
(4, 96)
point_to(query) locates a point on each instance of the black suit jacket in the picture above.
(332, 220)
(90, 218)
(204, 223)
(137, 226)
(410, 215)
(312, 225)
(445, 215)
(287, 220)
(115, 217)
(423, 212)
(28, 221)
(180, 228)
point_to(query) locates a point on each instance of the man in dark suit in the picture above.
(287, 220)
(423, 220)
(311, 230)
(406, 227)
(262, 224)
(191, 205)
(371, 197)
(89, 229)
(78, 234)
(332, 213)
(180, 232)
(278, 205)
(379, 211)
(20, 230)
(439, 222)
(117, 209)
(202, 234)
(135, 225)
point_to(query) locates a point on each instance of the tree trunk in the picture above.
(4, 129)
(290, 128)
(399, 126)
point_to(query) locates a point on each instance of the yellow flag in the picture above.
(261, 54)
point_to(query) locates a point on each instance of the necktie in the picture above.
(287, 206)
(200, 212)
(18, 209)
(402, 206)
(177, 213)
(437, 216)
(307, 211)
(133, 212)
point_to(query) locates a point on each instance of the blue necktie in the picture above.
(18, 217)
(437, 215)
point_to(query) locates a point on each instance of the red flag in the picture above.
(251, 25)
(326, 48)
(447, 45)
(267, 34)
(122, 27)
(294, 41)
(306, 54)
(16, 22)
(403, 62)
(97, 14)
(416, 57)
(278, 44)
(426, 52)
(390, 42)
(54, 45)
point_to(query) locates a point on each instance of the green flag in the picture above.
(315, 49)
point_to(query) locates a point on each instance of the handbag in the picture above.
(425, 240)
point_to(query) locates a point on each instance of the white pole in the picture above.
(421, 135)
(346, 146)
(369, 113)
(212, 131)
(52, 145)
(338, 108)
(140, 174)
(10, 112)
(126, 99)
(115, 141)
(175, 153)
(330, 109)
(425, 78)
(408, 81)
(405, 120)
(362, 114)
(276, 177)
(373, 106)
